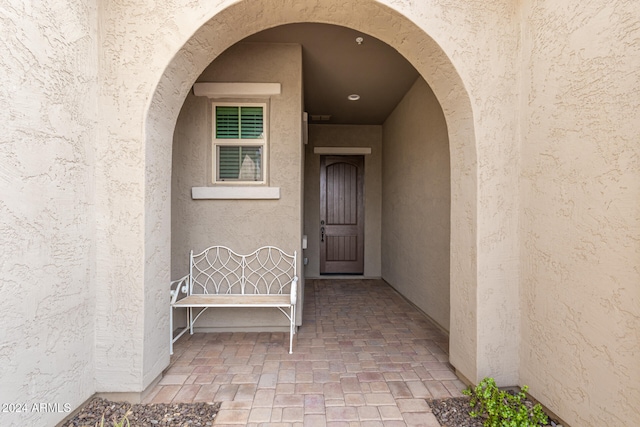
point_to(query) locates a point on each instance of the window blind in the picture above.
(239, 163)
(239, 122)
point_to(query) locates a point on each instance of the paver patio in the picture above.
(364, 356)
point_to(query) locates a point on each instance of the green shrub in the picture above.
(501, 408)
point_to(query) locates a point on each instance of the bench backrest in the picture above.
(219, 270)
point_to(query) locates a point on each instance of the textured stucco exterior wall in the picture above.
(243, 225)
(492, 78)
(121, 205)
(580, 213)
(48, 114)
(344, 136)
(539, 99)
(416, 199)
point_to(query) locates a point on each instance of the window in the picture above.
(239, 143)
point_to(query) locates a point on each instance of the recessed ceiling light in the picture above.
(353, 97)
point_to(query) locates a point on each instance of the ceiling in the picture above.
(335, 66)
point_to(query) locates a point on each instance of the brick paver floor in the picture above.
(364, 356)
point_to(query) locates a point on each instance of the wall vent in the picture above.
(320, 117)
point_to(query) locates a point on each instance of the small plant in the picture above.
(501, 408)
(122, 423)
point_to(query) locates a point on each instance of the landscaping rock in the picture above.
(454, 412)
(144, 415)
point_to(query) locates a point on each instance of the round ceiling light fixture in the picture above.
(353, 97)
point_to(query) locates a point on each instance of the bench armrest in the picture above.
(179, 286)
(294, 290)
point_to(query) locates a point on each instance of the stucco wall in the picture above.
(544, 184)
(243, 225)
(344, 136)
(580, 213)
(416, 199)
(132, 206)
(48, 114)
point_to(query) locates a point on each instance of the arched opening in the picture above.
(230, 26)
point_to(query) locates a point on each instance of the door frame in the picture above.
(329, 230)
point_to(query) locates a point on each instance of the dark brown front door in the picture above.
(341, 214)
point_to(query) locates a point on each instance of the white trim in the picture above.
(342, 150)
(236, 90)
(235, 193)
(261, 142)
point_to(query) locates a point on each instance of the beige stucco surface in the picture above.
(539, 99)
(580, 215)
(416, 198)
(47, 209)
(243, 225)
(344, 136)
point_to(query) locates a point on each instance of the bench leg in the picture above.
(292, 328)
(170, 330)
(172, 338)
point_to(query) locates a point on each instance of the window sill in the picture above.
(235, 193)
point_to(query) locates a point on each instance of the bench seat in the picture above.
(234, 301)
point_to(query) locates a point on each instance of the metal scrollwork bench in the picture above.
(219, 277)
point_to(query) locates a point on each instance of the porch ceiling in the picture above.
(335, 66)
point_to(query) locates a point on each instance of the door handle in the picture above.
(322, 234)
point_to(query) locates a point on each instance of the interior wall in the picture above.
(344, 136)
(416, 202)
(242, 225)
(580, 193)
(47, 217)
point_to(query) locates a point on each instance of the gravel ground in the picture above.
(454, 412)
(149, 415)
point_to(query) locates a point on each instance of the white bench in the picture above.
(219, 277)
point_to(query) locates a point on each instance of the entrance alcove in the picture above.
(234, 24)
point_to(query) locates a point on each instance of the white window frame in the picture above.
(263, 142)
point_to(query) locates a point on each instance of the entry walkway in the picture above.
(363, 357)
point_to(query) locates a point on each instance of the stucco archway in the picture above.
(250, 16)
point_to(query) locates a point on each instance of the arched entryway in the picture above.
(250, 16)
